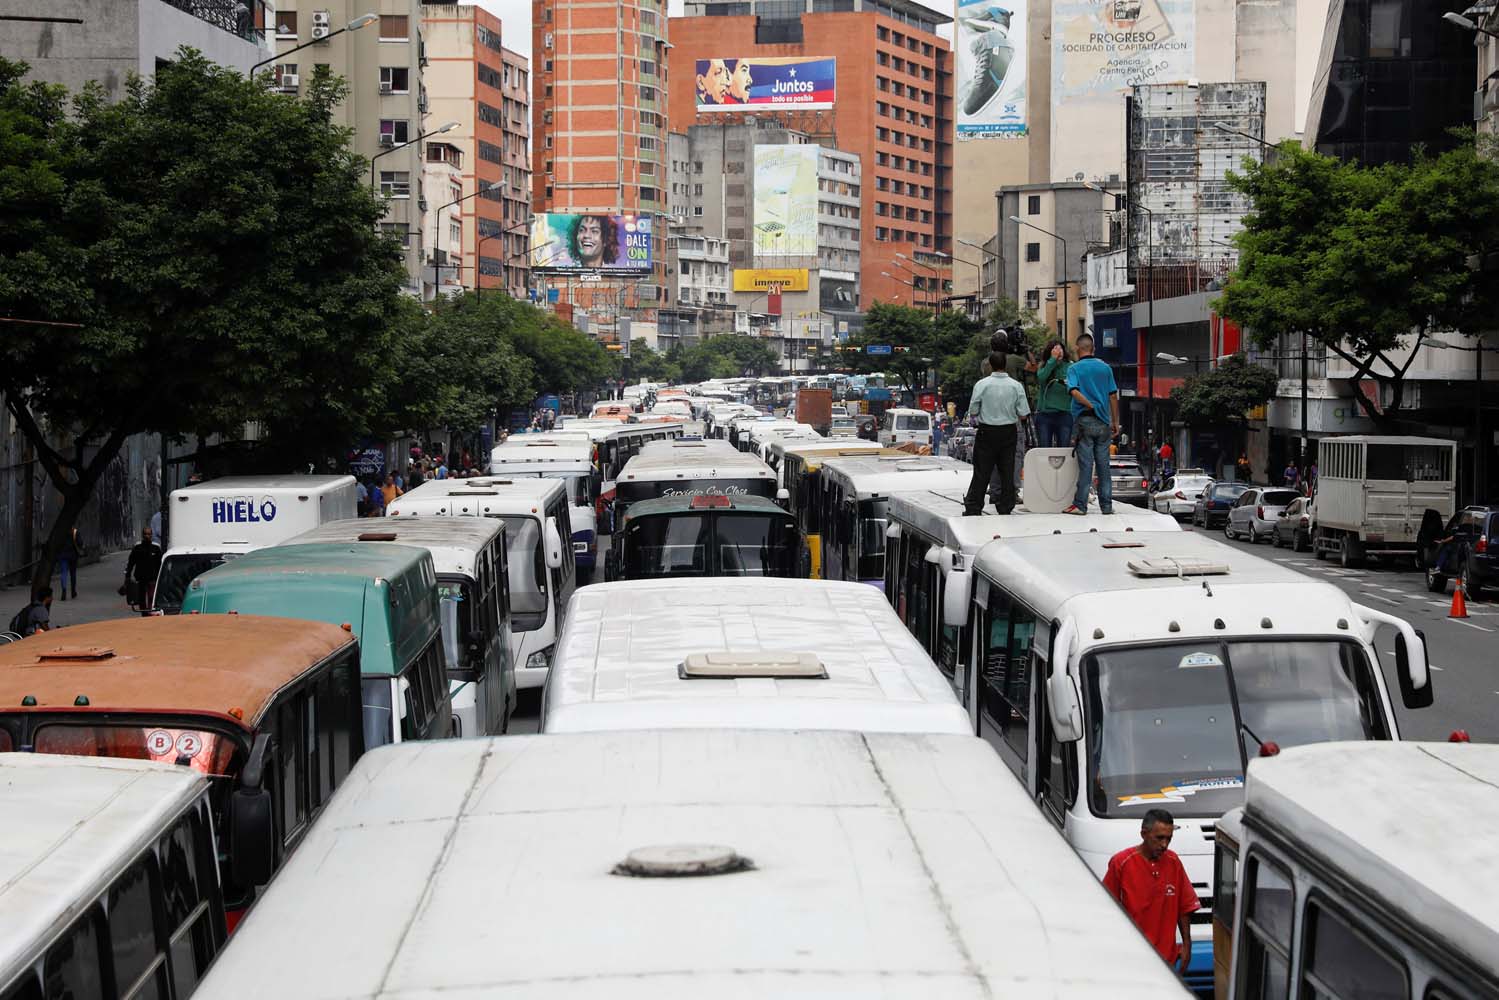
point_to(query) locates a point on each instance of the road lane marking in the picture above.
(1459, 621)
(1380, 597)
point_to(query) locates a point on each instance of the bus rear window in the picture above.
(205, 752)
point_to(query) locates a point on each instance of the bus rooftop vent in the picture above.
(762, 664)
(682, 861)
(1168, 566)
(75, 653)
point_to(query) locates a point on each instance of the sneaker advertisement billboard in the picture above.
(989, 39)
(595, 244)
(800, 82)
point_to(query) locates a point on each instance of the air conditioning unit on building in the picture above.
(320, 31)
(546, 40)
(386, 88)
(386, 139)
(289, 81)
(322, 17)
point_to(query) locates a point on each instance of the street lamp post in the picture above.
(437, 216)
(999, 266)
(1066, 320)
(1453, 17)
(936, 275)
(479, 249)
(359, 22)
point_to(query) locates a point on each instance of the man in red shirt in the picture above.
(1150, 883)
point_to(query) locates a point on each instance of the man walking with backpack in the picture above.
(35, 617)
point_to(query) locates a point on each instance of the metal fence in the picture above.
(245, 18)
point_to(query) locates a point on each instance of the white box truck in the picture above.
(1374, 494)
(223, 518)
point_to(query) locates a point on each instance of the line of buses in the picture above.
(833, 737)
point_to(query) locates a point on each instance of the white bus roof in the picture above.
(693, 459)
(453, 541)
(874, 476)
(75, 824)
(882, 865)
(1089, 576)
(619, 657)
(543, 453)
(1356, 807)
(822, 445)
(938, 514)
(300, 484)
(493, 496)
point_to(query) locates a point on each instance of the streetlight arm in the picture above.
(354, 25)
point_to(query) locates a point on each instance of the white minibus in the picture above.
(853, 493)
(928, 532)
(565, 455)
(690, 468)
(702, 863)
(749, 653)
(109, 882)
(469, 556)
(1332, 892)
(900, 426)
(1119, 671)
(217, 520)
(542, 573)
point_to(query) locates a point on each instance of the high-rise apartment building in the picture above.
(472, 79)
(599, 86)
(892, 109)
(386, 106)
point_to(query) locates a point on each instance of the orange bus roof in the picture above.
(190, 664)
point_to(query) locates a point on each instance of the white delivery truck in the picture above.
(1374, 494)
(214, 521)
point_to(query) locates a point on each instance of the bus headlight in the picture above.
(540, 660)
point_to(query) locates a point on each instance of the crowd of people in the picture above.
(374, 494)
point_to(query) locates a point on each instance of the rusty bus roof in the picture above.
(189, 664)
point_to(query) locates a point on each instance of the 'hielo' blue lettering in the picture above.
(243, 510)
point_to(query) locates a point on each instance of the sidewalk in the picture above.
(97, 599)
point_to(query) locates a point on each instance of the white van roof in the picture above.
(452, 541)
(1090, 576)
(693, 459)
(876, 476)
(1354, 807)
(262, 484)
(536, 452)
(620, 659)
(75, 823)
(882, 865)
(938, 514)
(492, 496)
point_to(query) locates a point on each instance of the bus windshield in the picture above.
(180, 570)
(710, 545)
(1175, 725)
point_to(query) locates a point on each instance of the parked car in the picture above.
(1294, 526)
(1179, 492)
(961, 446)
(1254, 514)
(1475, 531)
(1211, 509)
(1130, 484)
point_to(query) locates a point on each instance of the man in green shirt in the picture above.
(1000, 406)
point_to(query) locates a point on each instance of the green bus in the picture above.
(704, 536)
(386, 594)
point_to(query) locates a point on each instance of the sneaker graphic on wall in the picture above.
(987, 35)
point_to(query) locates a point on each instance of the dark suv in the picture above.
(1475, 557)
(1129, 482)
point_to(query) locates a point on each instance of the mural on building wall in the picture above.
(785, 207)
(731, 85)
(991, 55)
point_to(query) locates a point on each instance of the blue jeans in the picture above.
(1053, 430)
(1093, 452)
(67, 572)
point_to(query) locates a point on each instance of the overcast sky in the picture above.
(516, 18)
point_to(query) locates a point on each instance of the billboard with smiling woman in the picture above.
(591, 243)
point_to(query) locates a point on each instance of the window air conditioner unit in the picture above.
(386, 88)
(321, 17)
(289, 81)
(1051, 296)
(546, 40)
(386, 139)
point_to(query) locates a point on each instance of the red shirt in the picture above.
(1155, 894)
(1166, 453)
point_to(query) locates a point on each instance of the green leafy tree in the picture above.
(963, 359)
(1366, 261)
(564, 358)
(1226, 393)
(215, 244)
(729, 355)
(647, 363)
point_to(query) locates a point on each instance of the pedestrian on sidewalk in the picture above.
(1053, 401)
(390, 490)
(34, 617)
(1289, 475)
(1149, 881)
(1000, 406)
(1242, 470)
(1095, 421)
(141, 570)
(67, 564)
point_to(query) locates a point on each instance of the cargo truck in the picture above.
(815, 407)
(1373, 494)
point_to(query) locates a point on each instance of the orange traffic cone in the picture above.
(1459, 603)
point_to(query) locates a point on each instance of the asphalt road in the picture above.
(1464, 653)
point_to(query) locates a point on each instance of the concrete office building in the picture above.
(386, 106)
(115, 38)
(892, 110)
(473, 80)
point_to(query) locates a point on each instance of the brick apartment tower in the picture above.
(471, 79)
(599, 89)
(893, 108)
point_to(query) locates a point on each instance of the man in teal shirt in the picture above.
(1000, 406)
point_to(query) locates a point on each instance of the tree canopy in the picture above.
(729, 355)
(1224, 394)
(1365, 260)
(215, 245)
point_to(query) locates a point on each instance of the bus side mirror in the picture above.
(1412, 695)
(783, 496)
(252, 832)
(955, 594)
(1062, 702)
(553, 539)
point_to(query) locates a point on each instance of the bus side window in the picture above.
(187, 900)
(343, 715)
(1342, 959)
(290, 758)
(1225, 884)
(994, 673)
(135, 938)
(1265, 942)
(74, 967)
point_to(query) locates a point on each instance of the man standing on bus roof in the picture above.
(1095, 422)
(1148, 880)
(1000, 405)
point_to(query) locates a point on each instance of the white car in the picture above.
(1178, 494)
(839, 410)
(1256, 512)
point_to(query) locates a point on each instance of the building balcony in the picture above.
(245, 19)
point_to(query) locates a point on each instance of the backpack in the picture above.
(22, 621)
